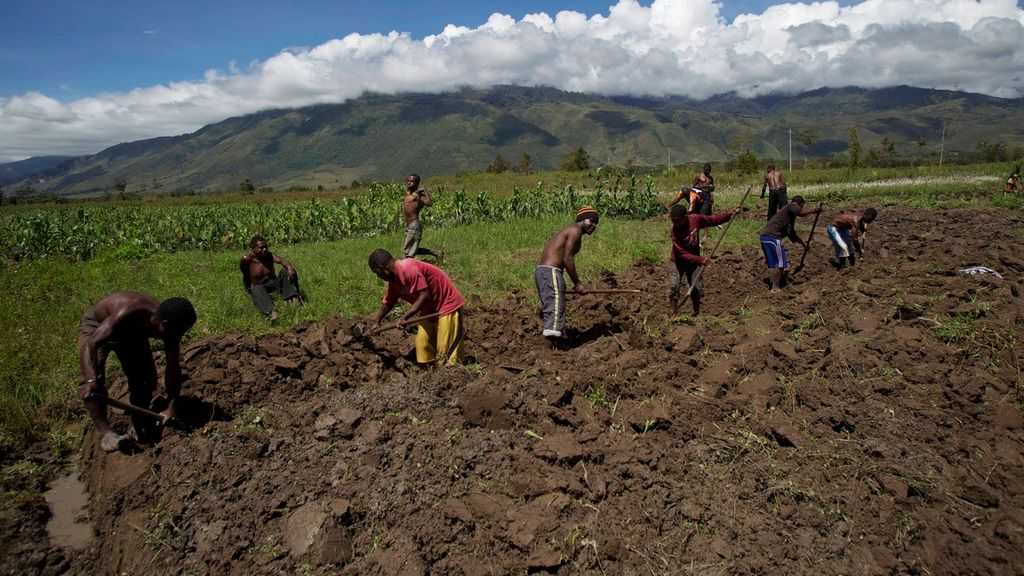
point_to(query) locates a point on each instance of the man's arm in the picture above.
(679, 196)
(285, 264)
(717, 219)
(94, 364)
(385, 308)
(243, 265)
(764, 186)
(417, 305)
(569, 257)
(425, 198)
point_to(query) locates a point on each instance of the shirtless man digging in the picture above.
(123, 323)
(560, 256)
(413, 202)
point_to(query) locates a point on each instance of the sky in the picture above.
(78, 76)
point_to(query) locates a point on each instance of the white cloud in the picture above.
(681, 47)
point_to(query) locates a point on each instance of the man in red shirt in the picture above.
(429, 290)
(686, 258)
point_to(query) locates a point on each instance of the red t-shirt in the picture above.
(412, 276)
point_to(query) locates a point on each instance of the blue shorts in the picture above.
(774, 254)
(842, 240)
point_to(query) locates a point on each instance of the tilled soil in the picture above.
(864, 421)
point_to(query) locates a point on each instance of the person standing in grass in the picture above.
(429, 291)
(847, 231)
(782, 225)
(123, 323)
(775, 183)
(260, 279)
(1013, 183)
(558, 258)
(415, 200)
(704, 184)
(685, 257)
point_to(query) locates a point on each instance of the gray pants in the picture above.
(413, 235)
(776, 200)
(281, 284)
(551, 289)
(682, 278)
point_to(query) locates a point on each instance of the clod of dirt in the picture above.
(313, 529)
(785, 349)
(980, 496)
(784, 435)
(482, 406)
(560, 448)
(544, 560)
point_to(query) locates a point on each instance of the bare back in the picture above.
(776, 180)
(555, 249)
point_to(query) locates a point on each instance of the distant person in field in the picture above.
(782, 225)
(123, 323)
(1013, 183)
(686, 258)
(415, 200)
(429, 290)
(847, 233)
(559, 258)
(775, 183)
(260, 279)
(704, 184)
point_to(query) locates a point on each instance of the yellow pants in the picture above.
(440, 340)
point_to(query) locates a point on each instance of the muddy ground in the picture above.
(865, 421)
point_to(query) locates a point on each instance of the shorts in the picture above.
(841, 240)
(683, 277)
(413, 235)
(439, 340)
(775, 255)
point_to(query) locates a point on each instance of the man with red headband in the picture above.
(559, 257)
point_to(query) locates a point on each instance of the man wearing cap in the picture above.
(123, 323)
(560, 256)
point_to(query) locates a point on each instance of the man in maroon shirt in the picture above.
(686, 258)
(429, 291)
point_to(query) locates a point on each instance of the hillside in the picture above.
(385, 136)
(14, 171)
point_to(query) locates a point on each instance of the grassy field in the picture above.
(44, 298)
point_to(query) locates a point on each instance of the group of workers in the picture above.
(123, 322)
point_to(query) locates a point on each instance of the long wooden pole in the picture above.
(700, 269)
(807, 246)
(609, 291)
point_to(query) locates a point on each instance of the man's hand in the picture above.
(737, 210)
(704, 261)
(579, 289)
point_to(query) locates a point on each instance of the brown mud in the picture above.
(864, 421)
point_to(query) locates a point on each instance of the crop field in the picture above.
(838, 417)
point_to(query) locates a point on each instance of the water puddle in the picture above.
(68, 503)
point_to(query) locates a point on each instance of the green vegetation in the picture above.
(490, 251)
(130, 232)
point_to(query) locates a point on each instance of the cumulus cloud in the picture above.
(679, 47)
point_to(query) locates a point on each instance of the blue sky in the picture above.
(70, 49)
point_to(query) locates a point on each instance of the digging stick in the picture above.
(609, 291)
(807, 246)
(700, 269)
(127, 407)
(357, 333)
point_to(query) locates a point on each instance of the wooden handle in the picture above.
(402, 323)
(127, 407)
(609, 291)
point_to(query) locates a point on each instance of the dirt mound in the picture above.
(865, 421)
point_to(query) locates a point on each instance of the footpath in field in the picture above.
(864, 422)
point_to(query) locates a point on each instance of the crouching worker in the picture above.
(847, 233)
(686, 258)
(429, 291)
(123, 323)
(260, 279)
(560, 256)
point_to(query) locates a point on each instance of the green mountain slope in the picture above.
(385, 136)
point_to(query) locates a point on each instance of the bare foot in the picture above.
(112, 441)
(273, 316)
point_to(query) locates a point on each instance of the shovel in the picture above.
(358, 334)
(136, 410)
(807, 247)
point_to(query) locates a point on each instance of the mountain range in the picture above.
(381, 137)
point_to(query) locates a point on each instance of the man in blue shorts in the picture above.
(782, 225)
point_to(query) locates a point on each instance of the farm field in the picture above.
(896, 383)
(865, 421)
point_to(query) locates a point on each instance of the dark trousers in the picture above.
(282, 284)
(776, 200)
